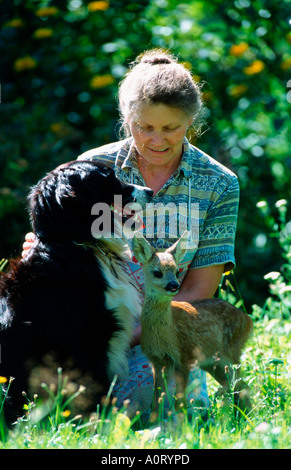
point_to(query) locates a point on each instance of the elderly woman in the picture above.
(159, 101)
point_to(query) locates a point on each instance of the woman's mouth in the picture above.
(159, 150)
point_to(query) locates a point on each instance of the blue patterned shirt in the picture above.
(202, 196)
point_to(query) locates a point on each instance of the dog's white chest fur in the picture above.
(124, 299)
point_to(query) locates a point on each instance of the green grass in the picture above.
(267, 369)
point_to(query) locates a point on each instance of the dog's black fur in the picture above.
(54, 300)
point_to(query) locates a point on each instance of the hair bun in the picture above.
(155, 57)
(157, 60)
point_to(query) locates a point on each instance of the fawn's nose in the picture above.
(172, 286)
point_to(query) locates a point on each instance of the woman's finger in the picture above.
(30, 237)
(26, 246)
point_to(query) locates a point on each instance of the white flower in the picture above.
(273, 275)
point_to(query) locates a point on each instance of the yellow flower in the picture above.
(237, 50)
(187, 65)
(47, 11)
(286, 64)
(15, 23)
(196, 78)
(207, 96)
(101, 81)
(238, 90)
(57, 127)
(24, 63)
(43, 33)
(97, 6)
(255, 67)
(3, 380)
(66, 413)
(61, 129)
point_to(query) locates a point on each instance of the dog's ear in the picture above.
(179, 248)
(142, 250)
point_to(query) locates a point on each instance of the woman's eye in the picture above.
(171, 129)
(145, 128)
(158, 274)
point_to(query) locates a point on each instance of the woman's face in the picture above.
(158, 132)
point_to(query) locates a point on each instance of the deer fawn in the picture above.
(177, 335)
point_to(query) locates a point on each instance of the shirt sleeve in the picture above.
(96, 156)
(217, 233)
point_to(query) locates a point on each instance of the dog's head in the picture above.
(67, 202)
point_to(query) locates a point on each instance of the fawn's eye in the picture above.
(158, 274)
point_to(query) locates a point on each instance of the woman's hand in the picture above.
(29, 241)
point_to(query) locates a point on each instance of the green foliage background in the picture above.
(60, 65)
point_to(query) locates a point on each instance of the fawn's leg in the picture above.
(227, 376)
(160, 375)
(181, 384)
(222, 371)
(242, 396)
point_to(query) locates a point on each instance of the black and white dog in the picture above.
(70, 298)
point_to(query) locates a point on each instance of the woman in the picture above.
(158, 102)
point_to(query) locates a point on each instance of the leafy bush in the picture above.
(278, 305)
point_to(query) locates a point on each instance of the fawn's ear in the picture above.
(142, 250)
(178, 250)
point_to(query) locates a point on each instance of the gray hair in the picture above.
(156, 77)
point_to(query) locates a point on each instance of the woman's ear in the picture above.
(190, 122)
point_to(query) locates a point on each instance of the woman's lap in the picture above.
(138, 389)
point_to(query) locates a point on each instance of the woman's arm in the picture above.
(200, 283)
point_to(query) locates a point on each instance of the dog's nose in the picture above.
(172, 286)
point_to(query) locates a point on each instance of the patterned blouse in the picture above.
(202, 196)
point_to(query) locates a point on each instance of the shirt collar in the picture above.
(130, 160)
(186, 160)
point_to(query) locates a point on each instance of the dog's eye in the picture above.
(158, 274)
(178, 273)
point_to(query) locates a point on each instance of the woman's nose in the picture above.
(157, 139)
